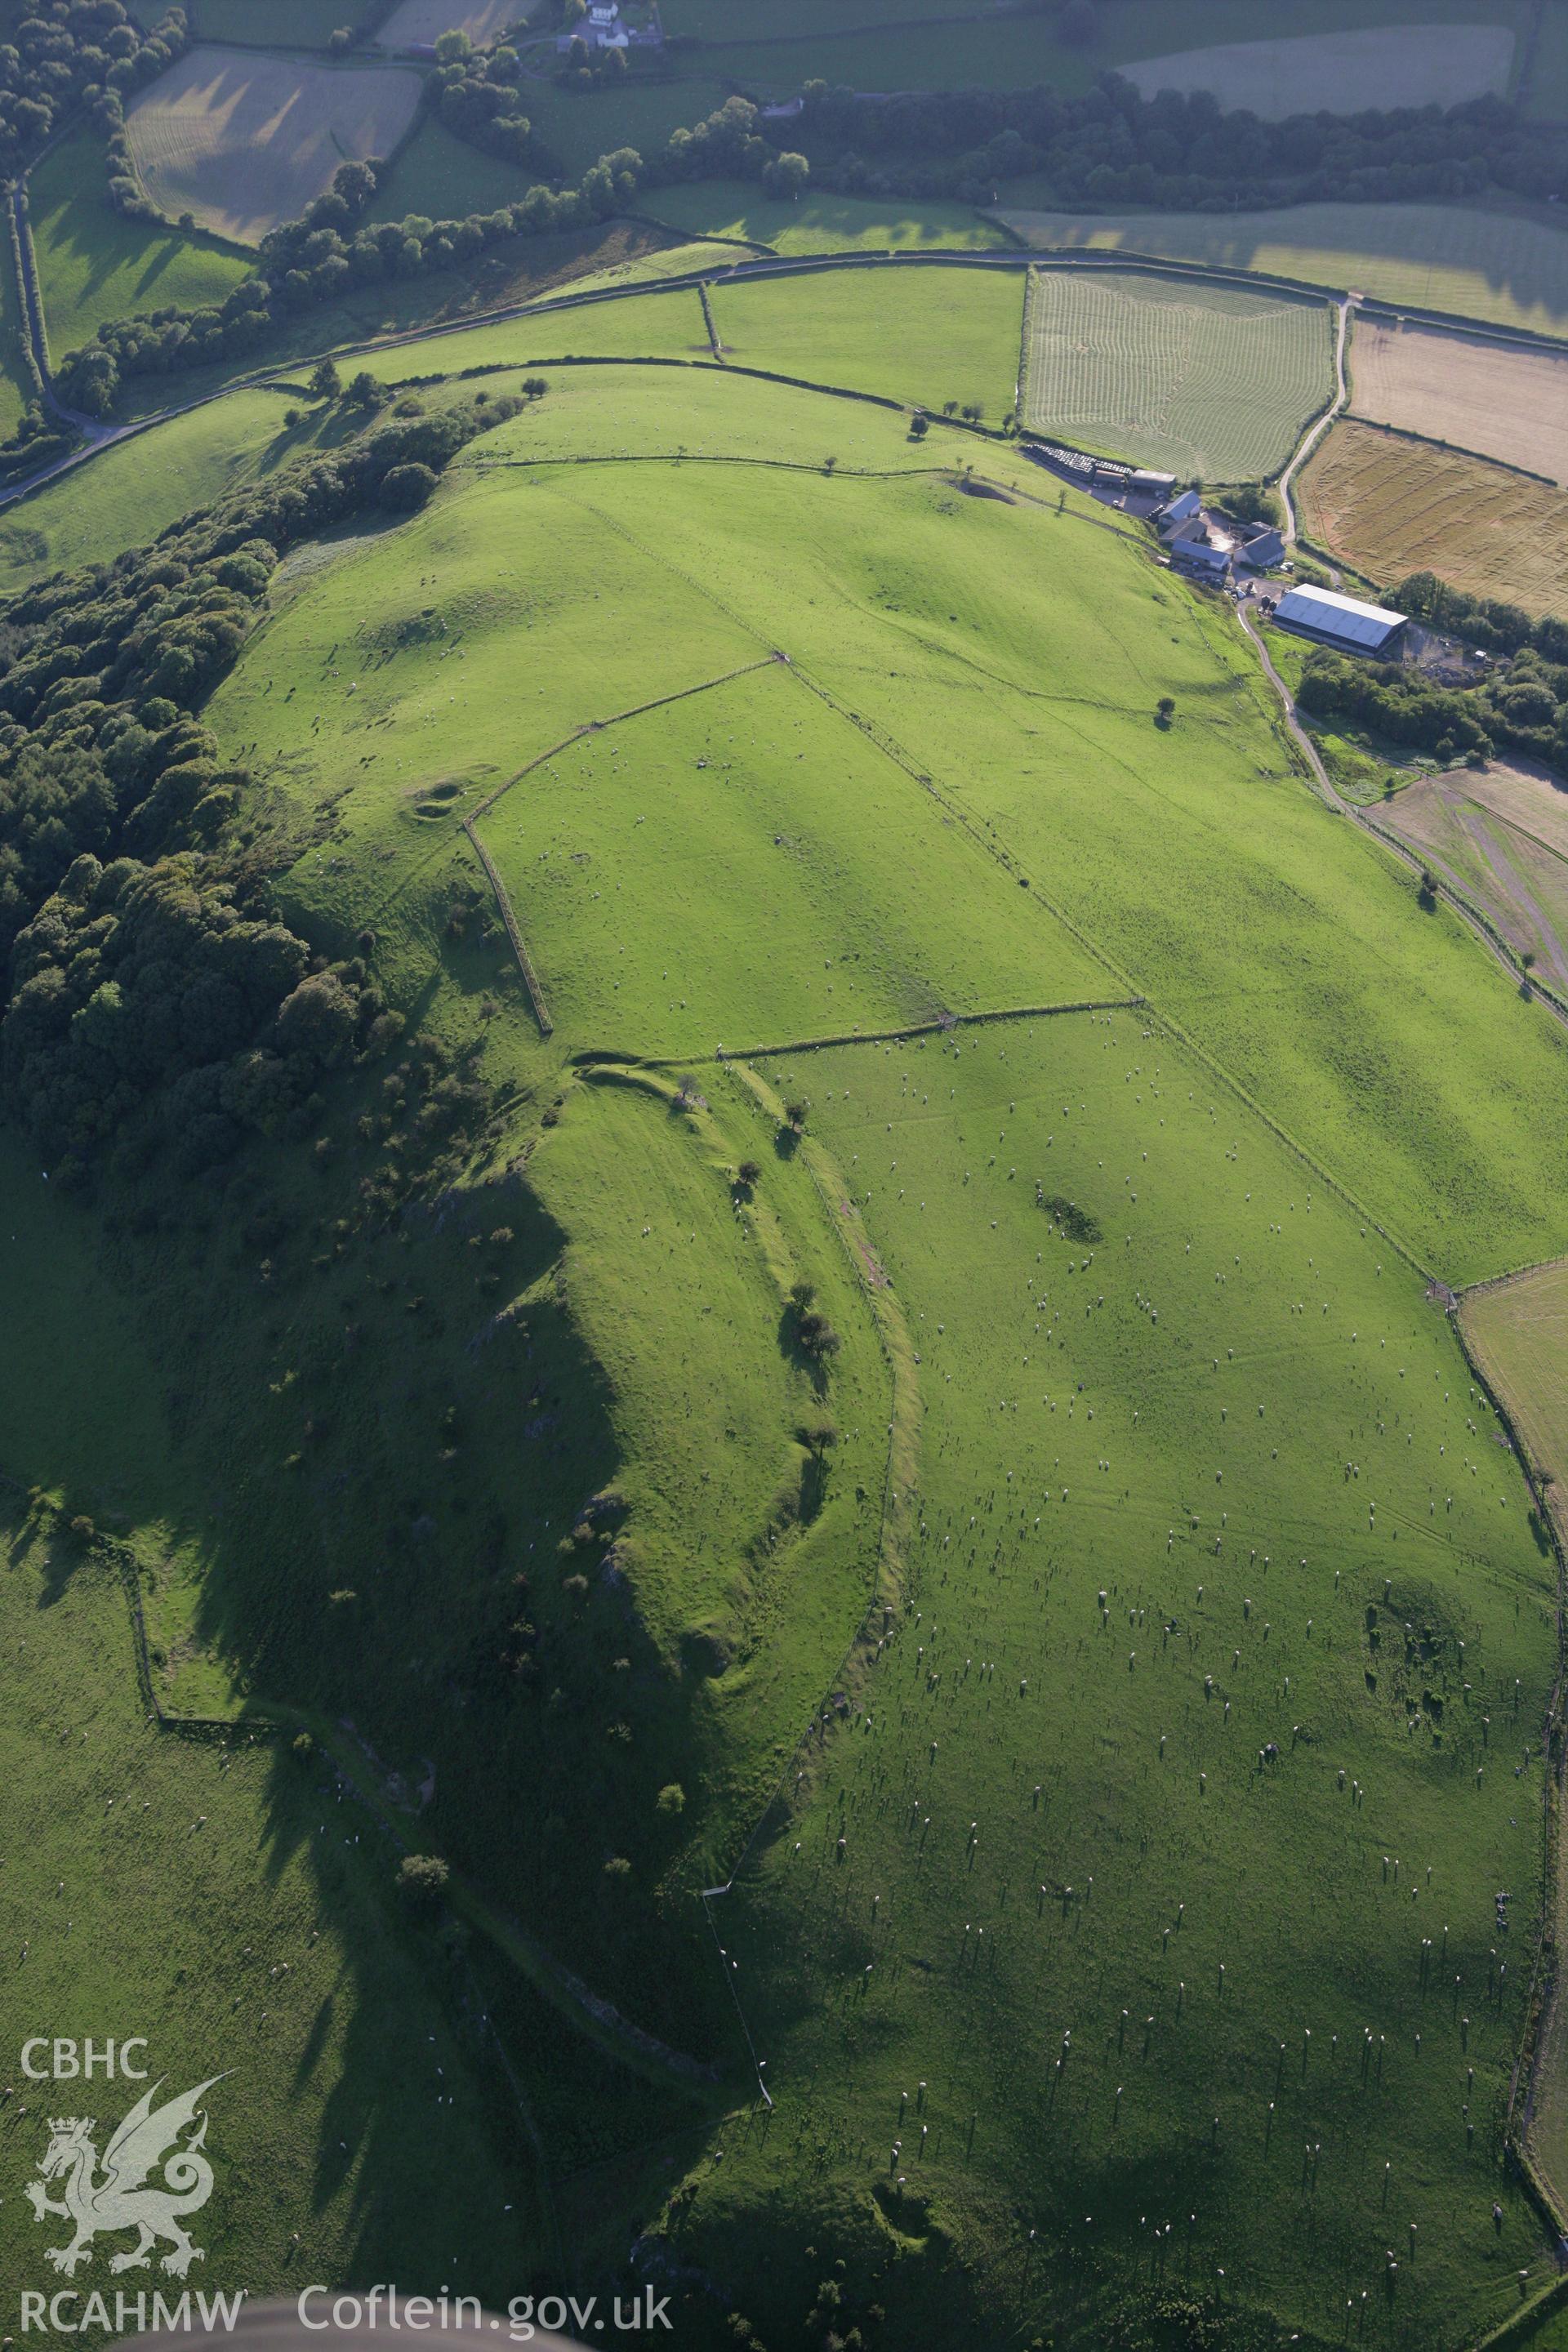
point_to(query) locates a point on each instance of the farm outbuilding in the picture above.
(1343, 622)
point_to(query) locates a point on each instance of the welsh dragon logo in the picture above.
(120, 2197)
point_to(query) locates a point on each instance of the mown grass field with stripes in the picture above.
(1204, 381)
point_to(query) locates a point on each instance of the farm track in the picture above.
(524, 961)
(1316, 430)
(1470, 915)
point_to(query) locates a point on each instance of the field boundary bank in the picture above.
(944, 1025)
(889, 1590)
(1070, 256)
(767, 267)
(597, 726)
(1546, 1990)
(530, 980)
(1501, 1281)
(885, 743)
(551, 1977)
(1454, 448)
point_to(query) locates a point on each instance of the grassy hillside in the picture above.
(1021, 1955)
(224, 1900)
(820, 223)
(135, 489)
(891, 1141)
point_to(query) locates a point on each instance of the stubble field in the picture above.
(1497, 400)
(1331, 72)
(1501, 835)
(245, 141)
(1390, 506)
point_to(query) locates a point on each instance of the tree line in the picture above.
(318, 258)
(1183, 153)
(67, 53)
(1523, 708)
(1109, 146)
(152, 998)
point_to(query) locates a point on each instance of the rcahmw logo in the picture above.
(152, 2174)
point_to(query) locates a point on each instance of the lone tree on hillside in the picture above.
(421, 1880)
(816, 1334)
(787, 176)
(1164, 710)
(797, 1114)
(325, 381)
(749, 1175)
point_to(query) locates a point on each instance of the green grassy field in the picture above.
(1050, 1835)
(221, 1900)
(1508, 269)
(520, 272)
(1203, 381)
(436, 172)
(133, 491)
(93, 264)
(278, 24)
(576, 128)
(927, 335)
(820, 223)
(730, 812)
(512, 1468)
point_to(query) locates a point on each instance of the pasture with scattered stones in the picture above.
(1204, 381)
(1391, 506)
(244, 141)
(1497, 400)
